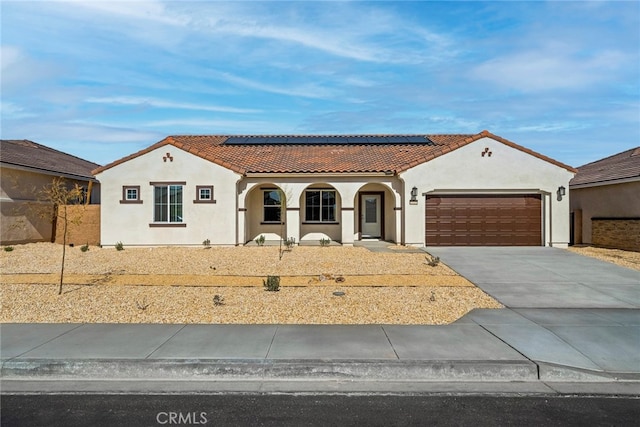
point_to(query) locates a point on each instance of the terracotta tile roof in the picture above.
(32, 155)
(326, 157)
(619, 166)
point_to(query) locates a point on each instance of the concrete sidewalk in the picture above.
(504, 350)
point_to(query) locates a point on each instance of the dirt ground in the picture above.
(179, 285)
(619, 257)
(224, 285)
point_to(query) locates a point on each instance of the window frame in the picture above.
(125, 192)
(321, 206)
(199, 199)
(169, 204)
(265, 207)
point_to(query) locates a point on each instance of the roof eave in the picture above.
(48, 171)
(604, 182)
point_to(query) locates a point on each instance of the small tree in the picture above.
(60, 195)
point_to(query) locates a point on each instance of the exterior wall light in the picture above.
(561, 192)
(414, 194)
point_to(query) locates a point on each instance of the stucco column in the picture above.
(347, 225)
(398, 214)
(293, 224)
(242, 231)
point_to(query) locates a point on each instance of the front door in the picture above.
(371, 216)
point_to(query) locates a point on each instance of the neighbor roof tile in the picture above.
(623, 165)
(32, 155)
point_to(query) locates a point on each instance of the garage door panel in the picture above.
(484, 220)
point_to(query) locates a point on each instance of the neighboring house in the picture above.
(605, 202)
(25, 168)
(410, 189)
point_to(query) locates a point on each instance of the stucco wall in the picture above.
(507, 170)
(616, 201)
(130, 223)
(24, 218)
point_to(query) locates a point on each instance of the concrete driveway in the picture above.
(542, 277)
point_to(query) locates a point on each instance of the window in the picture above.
(320, 206)
(272, 206)
(131, 194)
(167, 203)
(204, 194)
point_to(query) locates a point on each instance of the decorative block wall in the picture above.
(619, 233)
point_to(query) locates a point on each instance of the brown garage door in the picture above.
(483, 220)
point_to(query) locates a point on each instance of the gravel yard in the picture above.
(622, 258)
(178, 285)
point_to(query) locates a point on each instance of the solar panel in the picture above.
(327, 140)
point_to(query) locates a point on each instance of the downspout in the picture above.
(237, 211)
(403, 212)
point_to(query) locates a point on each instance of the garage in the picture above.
(484, 220)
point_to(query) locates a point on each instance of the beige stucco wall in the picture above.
(508, 170)
(616, 201)
(129, 223)
(24, 218)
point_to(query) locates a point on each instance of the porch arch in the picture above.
(377, 221)
(320, 217)
(264, 216)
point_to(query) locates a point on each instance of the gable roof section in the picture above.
(29, 154)
(625, 165)
(312, 157)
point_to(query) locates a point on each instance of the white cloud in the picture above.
(550, 69)
(309, 90)
(140, 10)
(152, 102)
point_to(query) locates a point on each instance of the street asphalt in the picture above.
(571, 325)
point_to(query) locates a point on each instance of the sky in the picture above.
(102, 80)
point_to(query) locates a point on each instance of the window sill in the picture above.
(205, 201)
(130, 202)
(167, 224)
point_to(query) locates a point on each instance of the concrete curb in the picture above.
(182, 369)
(555, 372)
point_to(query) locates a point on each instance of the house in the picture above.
(25, 168)
(410, 189)
(605, 202)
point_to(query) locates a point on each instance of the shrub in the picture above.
(290, 243)
(260, 240)
(206, 243)
(325, 242)
(434, 261)
(272, 283)
(119, 246)
(218, 300)
(84, 248)
(8, 248)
